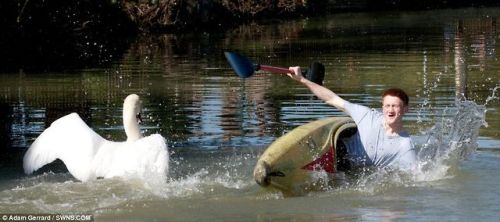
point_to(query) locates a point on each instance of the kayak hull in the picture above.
(304, 159)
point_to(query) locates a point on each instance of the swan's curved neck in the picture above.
(130, 124)
(132, 130)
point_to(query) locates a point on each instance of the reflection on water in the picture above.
(217, 124)
(194, 98)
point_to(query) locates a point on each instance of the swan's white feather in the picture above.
(88, 156)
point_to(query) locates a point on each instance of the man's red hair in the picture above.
(397, 92)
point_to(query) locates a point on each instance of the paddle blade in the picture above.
(241, 65)
(315, 73)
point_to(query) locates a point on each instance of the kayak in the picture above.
(306, 158)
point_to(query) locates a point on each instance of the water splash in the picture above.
(493, 95)
(453, 138)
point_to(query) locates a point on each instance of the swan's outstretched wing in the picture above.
(68, 139)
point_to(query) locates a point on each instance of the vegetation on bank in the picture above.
(168, 14)
(160, 15)
(164, 15)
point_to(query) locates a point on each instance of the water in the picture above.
(217, 124)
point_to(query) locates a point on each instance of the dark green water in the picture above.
(217, 124)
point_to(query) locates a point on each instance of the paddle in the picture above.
(246, 68)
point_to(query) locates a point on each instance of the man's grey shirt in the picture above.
(371, 146)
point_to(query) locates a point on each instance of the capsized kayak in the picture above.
(305, 158)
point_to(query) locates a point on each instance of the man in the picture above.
(381, 140)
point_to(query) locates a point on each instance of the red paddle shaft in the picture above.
(274, 69)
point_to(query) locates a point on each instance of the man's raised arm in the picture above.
(321, 92)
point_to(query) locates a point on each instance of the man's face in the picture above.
(393, 109)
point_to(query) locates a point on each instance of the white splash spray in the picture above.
(452, 139)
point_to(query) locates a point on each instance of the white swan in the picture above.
(89, 156)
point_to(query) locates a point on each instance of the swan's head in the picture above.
(132, 117)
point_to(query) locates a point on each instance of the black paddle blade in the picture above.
(241, 65)
(315, 73)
